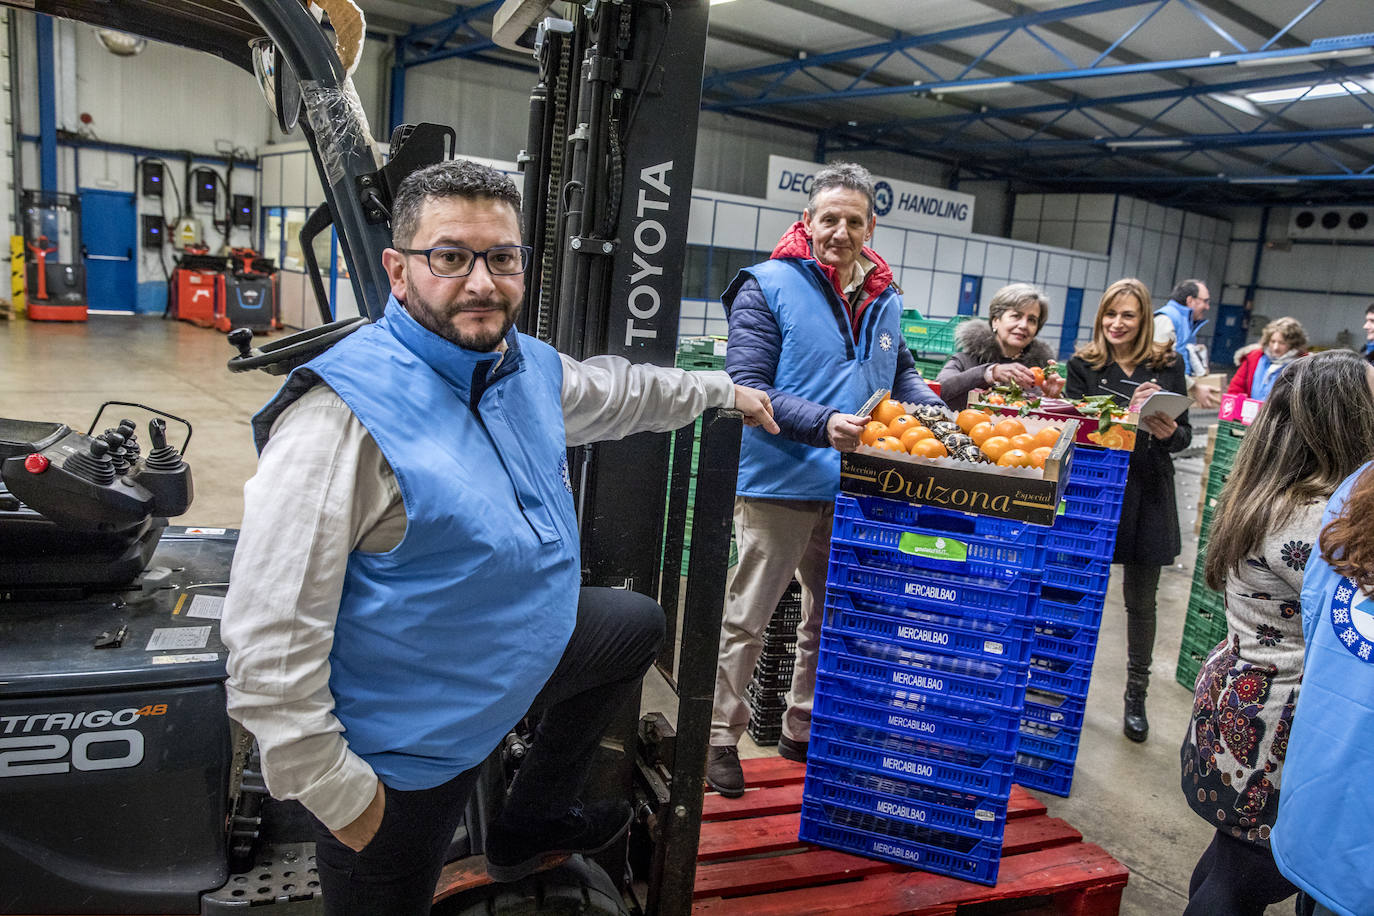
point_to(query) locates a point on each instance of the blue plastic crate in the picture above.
(1050, 742)
(884, 696)
(978, 863)
(1095, 456)
(890, 534)
(1070, 608)
(997, 733)
(1095, 538)
(1050, 708)
(1085, 501)
(927, 806)
(938, 677)
(1059, 675)
(1004, 639)
(1099, 472)
(941, 593)
(867, 750)
(1078, 644)
(1079, 574)
(1050, 776)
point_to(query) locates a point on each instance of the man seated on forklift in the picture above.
(406, 584)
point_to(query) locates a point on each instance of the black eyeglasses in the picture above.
(453, 261)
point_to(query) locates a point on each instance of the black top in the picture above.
(1148, 534)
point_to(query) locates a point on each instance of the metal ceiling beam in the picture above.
(720, 80)
(1081, 103)
(966, 85)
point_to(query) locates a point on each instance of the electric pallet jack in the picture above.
(54, 277)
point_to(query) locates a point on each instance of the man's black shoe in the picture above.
(723, 772)
(792, 750)
(516, 850)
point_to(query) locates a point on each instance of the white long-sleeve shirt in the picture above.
(322, 490)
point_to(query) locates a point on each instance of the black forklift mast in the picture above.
(608, 176)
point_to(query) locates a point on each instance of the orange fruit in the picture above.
(915, 434)
(889, 444)
(1023, 441)
(994, 446)
(969, 418)
(902, 424)
(1038, 456)
(872, 430)
(1014, 458)
(980, 433)
(1048, 436)
(929, 448)
(888, 411)
(1039, 374)
(1009, 428)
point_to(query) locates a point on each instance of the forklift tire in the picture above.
(578, 886)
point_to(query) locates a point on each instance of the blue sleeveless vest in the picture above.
(1185, 329)
(822, 361)
(442, 643)
(1321, 839)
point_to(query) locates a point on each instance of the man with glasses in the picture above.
(406, 584)
(1177, 322)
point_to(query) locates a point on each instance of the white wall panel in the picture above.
(1023, 265)
(701, 218)
(974, 255)
(772, 225)
(1057, 269)
(1096, 278)
(915, 284)
(998, 261)
(920, 250)
(736, 226)
(1078, 272)
(949, 254)
(889, 242)
(944, 294)
(1056, 233)
(1096, 207)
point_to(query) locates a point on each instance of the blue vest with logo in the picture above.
(444, 641)
(821, 360)
(1185, 328)
(1321, 840)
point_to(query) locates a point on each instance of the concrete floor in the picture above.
(1126, 797)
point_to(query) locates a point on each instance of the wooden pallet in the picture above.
(751, 863)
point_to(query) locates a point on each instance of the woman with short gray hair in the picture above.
(1004, 350)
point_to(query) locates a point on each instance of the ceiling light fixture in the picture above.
(1304, 58)
(1146, 144)
(1262, 180)
(973, 87)
(1239, 103)
(1307, 93)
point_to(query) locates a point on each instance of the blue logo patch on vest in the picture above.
(1352, 618)
(563, 470)
(885, 341)
(882, 198)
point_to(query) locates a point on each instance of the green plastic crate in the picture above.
(1229, 437)
(931, 335)
(930, 368)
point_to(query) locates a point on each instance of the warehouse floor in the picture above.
(1126, 797)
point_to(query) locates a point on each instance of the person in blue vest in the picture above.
(406, 584)
(1321, 839)
(1178, 322)
(816, 327)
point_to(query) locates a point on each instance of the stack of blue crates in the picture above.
(1067, 618)
(924, 661)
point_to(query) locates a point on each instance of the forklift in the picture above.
(124, 786)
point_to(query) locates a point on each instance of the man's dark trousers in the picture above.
(617, 636)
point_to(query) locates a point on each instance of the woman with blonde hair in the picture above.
(1282, 342)
(1124, 360)
(1314, 430)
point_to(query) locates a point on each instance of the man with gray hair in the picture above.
(818, 328)
(1177, 323)
(406, 584)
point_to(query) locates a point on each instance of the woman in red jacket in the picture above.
(1283, 341)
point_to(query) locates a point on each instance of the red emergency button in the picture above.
(36, 463)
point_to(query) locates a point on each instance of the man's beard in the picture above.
(439, 321)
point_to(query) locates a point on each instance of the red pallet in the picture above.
(751, 863)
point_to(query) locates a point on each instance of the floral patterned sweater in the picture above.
(1232, 756)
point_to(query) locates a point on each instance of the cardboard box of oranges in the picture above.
(973, 461)
(1100, 422)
